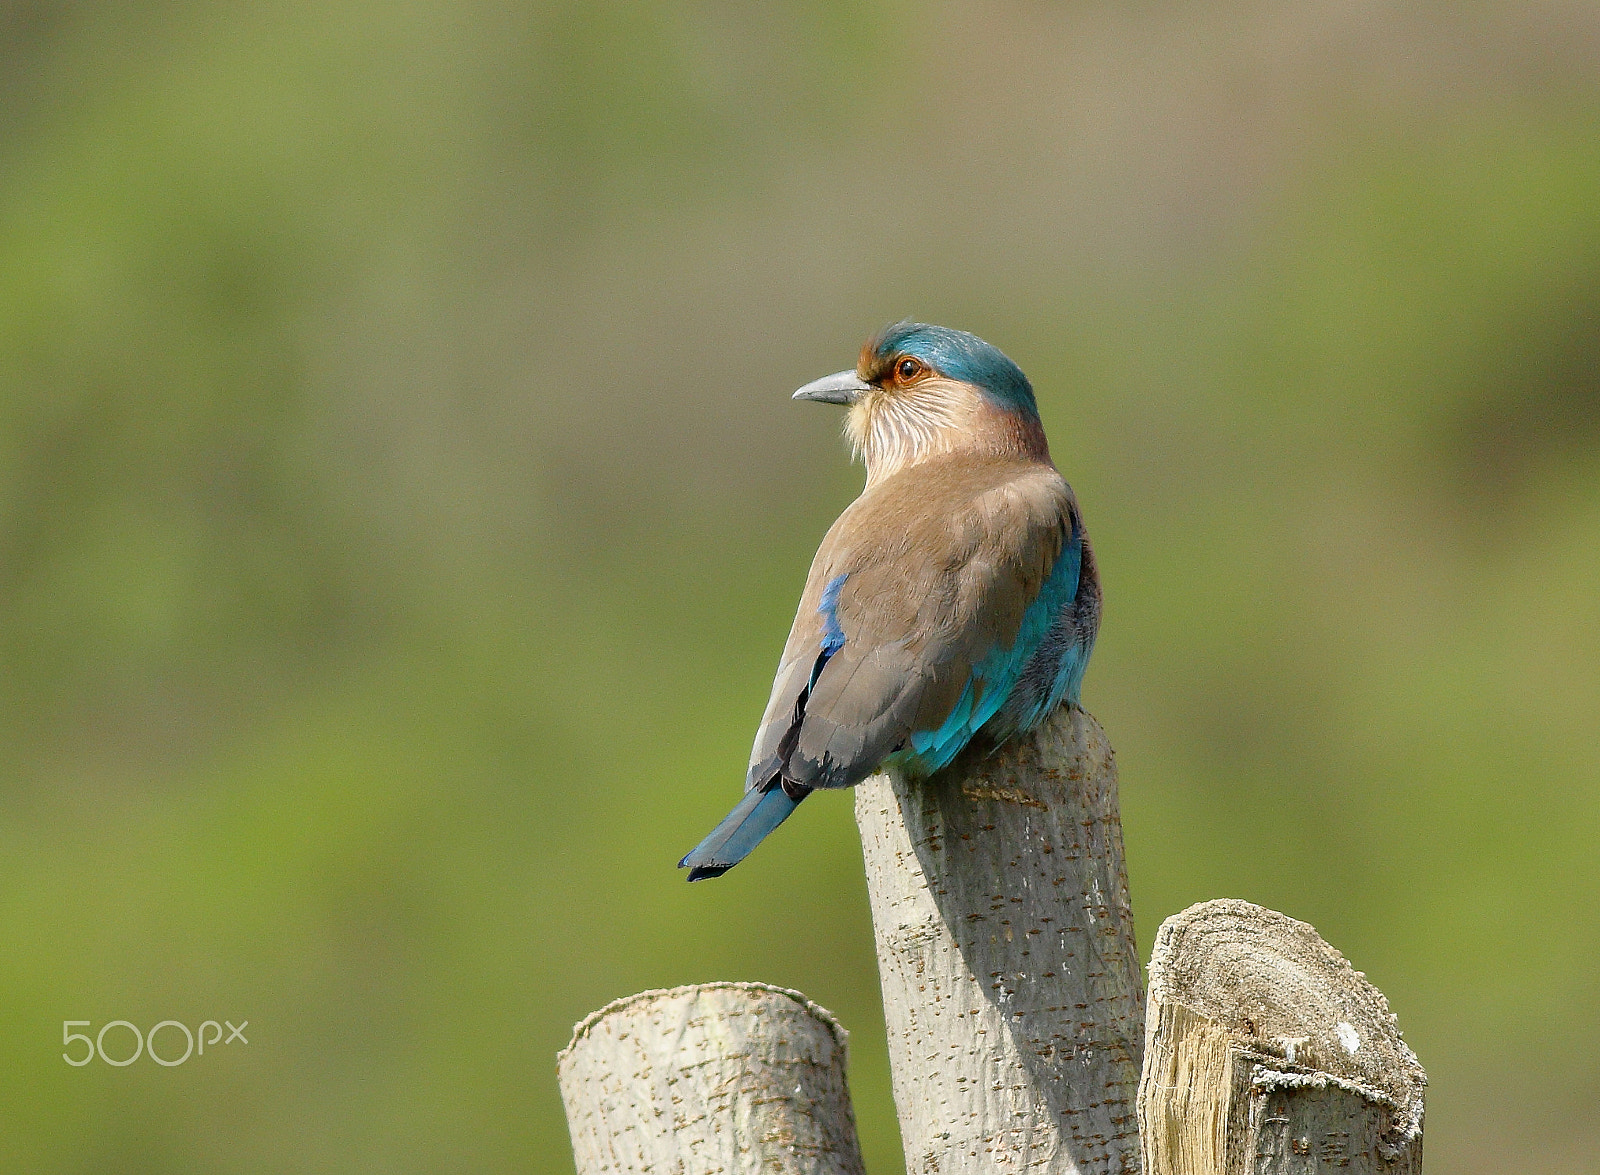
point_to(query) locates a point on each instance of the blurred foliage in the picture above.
(401, 511)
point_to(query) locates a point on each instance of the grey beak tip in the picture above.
(842, 387)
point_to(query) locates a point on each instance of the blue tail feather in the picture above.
(741, 831)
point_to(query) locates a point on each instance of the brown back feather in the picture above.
(942, 558)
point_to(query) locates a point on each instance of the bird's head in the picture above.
(919, 391)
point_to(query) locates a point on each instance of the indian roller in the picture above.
(955, 598)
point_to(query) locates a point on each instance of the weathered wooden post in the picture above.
(733, 1078)
(1005, 948)
(1268, 1054)
(1011, 990)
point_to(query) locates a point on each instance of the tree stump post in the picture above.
(1011, 991)
(1268, 1054)
(733, 1078)
(1005, 948)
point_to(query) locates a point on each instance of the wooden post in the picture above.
(1268, 1054)
(735, 1078)
(1005, 948)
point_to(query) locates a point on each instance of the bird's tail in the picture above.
(741, 830)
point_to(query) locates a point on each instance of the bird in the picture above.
(956, 598)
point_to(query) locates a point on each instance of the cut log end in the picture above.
(1265, 1046)
(743, 1078)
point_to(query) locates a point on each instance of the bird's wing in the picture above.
(919, 612)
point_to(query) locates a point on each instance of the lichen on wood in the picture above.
(1268, 1054)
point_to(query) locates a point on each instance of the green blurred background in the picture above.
(402, 509)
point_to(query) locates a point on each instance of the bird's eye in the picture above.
(908, 370)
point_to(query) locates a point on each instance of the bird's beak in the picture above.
(842, 387)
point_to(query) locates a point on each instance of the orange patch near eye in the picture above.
(867, 365)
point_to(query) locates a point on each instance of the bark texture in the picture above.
(732, 1078)
(1005, 947)
(1268, 1054)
